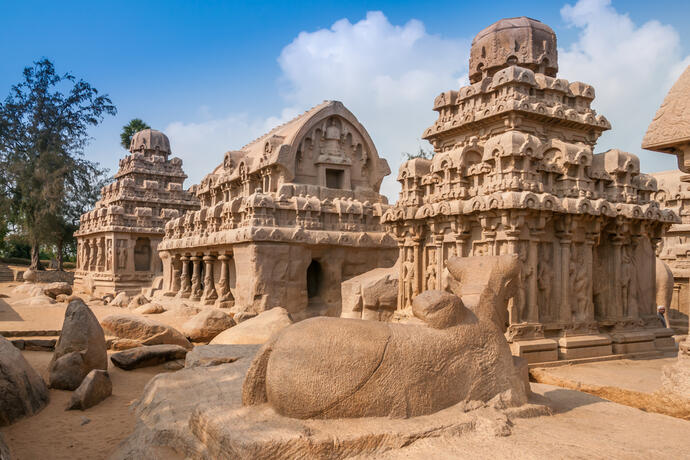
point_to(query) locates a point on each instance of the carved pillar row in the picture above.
(590, 241)
(196, 279)
(401, 275)
(185, 281)
(439, 261)
(223, 286)
(210, 293)
(616, 308)
(94, 255)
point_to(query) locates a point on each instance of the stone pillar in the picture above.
(565, 312)
(616, 310)
(196, 279)
(210, 294)
(401, 275)
(175, 266)
(439, 261)
(532, 315)
(223, 287)
(185, 283)
(590, 240)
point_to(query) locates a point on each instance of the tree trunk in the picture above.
(35, 259)
(59, 255)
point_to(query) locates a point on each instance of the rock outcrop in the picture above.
(22, 390)
(94, 389)
(57, 288)
(80, 349)
(372, 295)
(144, 330)
(255, 330)
(207, 324)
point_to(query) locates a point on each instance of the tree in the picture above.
(128, 130)
(43, 131)
(426, 154)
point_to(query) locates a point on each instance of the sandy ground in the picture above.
(55, 433)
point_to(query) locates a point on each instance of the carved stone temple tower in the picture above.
(514, 173)
(284, 220)
(669, 132)
(117, 241)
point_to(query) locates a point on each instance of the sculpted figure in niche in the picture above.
(579, 283)
(431, 275)
(109, 256)
(409, 277)
(525, 273)
(228, 163)
(545, 278)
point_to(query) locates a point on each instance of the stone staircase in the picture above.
(6, 274)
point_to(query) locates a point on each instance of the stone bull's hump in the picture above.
(347, 363)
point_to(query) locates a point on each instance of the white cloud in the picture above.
(387, 75)
(631, 67)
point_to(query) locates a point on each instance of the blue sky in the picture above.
(213, 74)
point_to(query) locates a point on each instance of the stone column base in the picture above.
(584, 346)
(536, 350)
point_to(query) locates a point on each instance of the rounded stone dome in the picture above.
(514, 41)
(150, 140)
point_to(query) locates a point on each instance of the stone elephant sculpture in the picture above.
(339, 368)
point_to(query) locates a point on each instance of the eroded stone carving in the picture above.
(514, 172)
(284, 220)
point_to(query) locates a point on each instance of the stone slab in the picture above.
(584, 341)
(527, 346)
(631, 337)
(633, 347)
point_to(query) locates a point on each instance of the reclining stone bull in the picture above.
(340, 368)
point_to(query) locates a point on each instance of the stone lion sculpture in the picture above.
(339, 368)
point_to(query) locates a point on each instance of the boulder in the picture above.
(123, 344)
(94, 389)
(57, 288)
(62, 298)
(145, 330)
(180, 309)
(38, 301)
(149, 309)
(372, 295)
(28, 290)
(22, 391)
(147, 356)
(137, 301)
(255, 330)
(30, 276)
(80, 348)
(207, 324)
(120, 300)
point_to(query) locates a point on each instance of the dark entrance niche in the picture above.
(142, 255)
(334, 178)
(314, 279)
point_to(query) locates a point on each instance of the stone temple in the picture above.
(117, 241)
(284, 220)
(669, 132)
(514, 172)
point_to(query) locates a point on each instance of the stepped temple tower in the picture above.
(284, 220)
(117, 241)
(514, 173)
(669, 132)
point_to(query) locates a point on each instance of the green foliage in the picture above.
(131, 128)
(426, 154)
(44, 126)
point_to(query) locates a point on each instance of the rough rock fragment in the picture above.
(94, 389)
(147, 356)
(80, 348)
(57, 288)
(255, 330)
(145, 330)
(207, 324)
